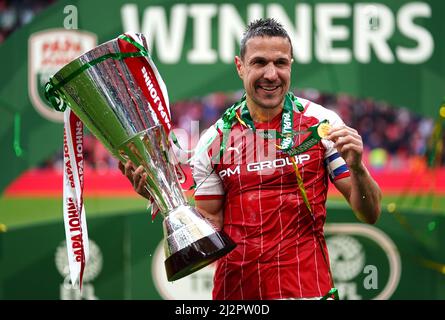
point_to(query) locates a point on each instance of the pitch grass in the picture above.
(17, 212)
(430, 203)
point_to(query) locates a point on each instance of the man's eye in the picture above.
(282, 63)
(258, 63)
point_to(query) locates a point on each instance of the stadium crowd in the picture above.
(16, 13)
(394, 138)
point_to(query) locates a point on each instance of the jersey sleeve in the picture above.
(334, 163)
(208, 184)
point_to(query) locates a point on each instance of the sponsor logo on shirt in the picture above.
(264, 165)
(236, 149)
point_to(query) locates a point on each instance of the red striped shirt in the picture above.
(280, 246)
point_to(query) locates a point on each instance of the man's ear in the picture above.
(239, 66)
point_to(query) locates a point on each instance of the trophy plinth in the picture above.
(192, 242)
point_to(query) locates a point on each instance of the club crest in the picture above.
(48, 52)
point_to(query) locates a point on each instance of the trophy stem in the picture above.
(150, 148)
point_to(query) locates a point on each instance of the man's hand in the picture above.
(360, 189)
(137, 177)
(349, 144)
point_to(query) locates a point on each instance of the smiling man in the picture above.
(262, 175)
(276, 212)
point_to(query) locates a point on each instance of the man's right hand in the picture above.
(137, 177)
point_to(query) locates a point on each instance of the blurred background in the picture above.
(380, 66)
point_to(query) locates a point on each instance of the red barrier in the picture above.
(48, 182)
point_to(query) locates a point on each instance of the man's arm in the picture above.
(360, 189)
(212, 210)
(209, 194)
(362, 193)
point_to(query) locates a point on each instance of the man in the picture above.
(271, 202)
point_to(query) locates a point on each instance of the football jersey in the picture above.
(281, 251)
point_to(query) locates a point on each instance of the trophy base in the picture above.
(198, 255)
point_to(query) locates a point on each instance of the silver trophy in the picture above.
(116, 90)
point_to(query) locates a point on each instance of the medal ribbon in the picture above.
(286, 137)
(286, 123)
(73, 209)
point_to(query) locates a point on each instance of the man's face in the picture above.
(265, 70)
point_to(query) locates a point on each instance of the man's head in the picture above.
(264, 63)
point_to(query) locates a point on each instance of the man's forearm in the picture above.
(365, 195)
(212, 211)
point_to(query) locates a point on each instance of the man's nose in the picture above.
(270, 72)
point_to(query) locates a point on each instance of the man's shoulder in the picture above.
(310, 105)
(208, 134)
(313, 109)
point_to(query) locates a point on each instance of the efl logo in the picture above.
(365, 262)
(92, 270)
(356, 251)
(48, 52)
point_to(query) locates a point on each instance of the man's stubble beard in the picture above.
(268, 106)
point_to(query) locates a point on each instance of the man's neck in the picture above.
(260, 114)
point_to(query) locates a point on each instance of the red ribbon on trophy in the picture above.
(135, 56)
(153, 87)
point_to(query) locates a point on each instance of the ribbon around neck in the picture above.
(286, 135)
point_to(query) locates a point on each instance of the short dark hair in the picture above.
(264, 27)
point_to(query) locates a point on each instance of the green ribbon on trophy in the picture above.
(52, 90)
(57, 99)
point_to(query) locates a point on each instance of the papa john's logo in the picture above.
(48, 52)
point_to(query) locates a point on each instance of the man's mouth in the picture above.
(268, 88)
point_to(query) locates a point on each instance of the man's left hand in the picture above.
(349, 144)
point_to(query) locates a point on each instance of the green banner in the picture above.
(121, 248)
(389, 51)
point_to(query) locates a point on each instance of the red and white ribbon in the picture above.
(73, 209)
(153, 87)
